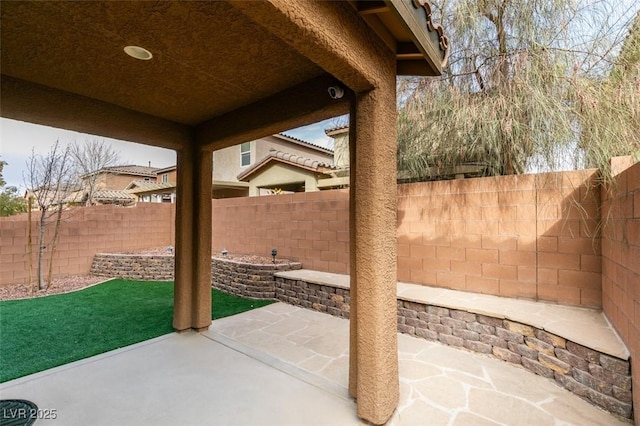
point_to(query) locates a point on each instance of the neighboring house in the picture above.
(167, 174)
(230, 163)
(67, 194)
(153, 192)
(340, 176)
(296, 166)
(114, 196)
(118, 177)
(160, 190)
(281, 172)
(110, 183)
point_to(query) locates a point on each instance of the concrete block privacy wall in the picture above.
(530, 236)
(83, 233)
(310, 227)
(621, 264)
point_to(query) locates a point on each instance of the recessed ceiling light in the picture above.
(138, 52)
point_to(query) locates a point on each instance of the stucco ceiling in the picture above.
(208, 58)
(222, 71)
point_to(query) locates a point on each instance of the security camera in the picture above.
(336, 92)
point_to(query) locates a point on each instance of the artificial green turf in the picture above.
(45, 332)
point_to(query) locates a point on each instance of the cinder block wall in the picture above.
(83, 233)
(530, 236)
(311, 228)
(621, 264)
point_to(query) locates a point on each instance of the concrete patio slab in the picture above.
(284, 365)
(184, 379)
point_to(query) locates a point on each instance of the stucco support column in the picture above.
(192, 288)
(353, 276)
(373, 339)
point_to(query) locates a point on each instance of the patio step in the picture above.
(576, 347)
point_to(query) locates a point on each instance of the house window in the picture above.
(245, 154)
(165, 178)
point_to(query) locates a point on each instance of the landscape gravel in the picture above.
(58, 285)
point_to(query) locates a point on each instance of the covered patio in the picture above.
(285, 365)
(207, 75)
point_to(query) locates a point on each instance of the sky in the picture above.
(19, 139)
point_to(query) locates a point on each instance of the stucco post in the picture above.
(353, 276)
(373, 274)
(192, 288)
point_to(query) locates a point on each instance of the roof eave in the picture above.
(244, 176)
(407, 27)
(301, 142)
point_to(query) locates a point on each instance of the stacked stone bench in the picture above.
(244, 279)
(576, 347)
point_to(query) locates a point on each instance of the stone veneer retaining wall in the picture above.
(603, 380)
(246, 279)
(133, 266)
(238, 278)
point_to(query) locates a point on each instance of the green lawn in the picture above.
(41, 333)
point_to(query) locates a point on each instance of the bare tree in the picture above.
(50, 182)
(89, 158)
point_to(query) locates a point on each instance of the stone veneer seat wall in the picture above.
(596, 376)
(246, 279)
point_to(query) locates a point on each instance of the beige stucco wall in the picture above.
(226, 163)
(341, 149)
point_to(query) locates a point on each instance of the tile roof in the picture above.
(297, 141)
(166, 169)
(285, 157)
(112, 194)
(146, 185)
(334, 130)
(132, 169)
